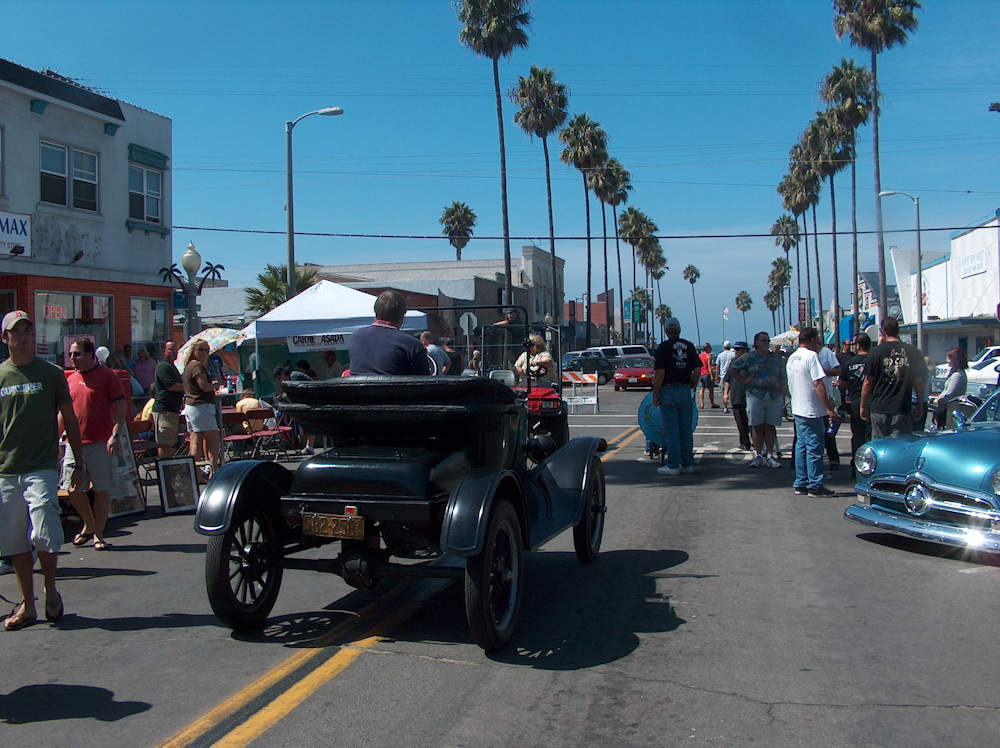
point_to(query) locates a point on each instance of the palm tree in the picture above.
(691, 275)
(743, 303)
(876, 25)
(650, 256)
(607, 188)
(779, 277)
(786, 235)
(494, 29)
(634, 227)
(658, 266)
(848, 89)
(645, 303)
(772, 303)
(586, 149)
(274, 286)
(623, 183)
(543, 102)
(805, 186)
(663, 313)
(458, 220)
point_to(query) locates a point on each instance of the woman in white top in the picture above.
(540, 363)
(954, 385)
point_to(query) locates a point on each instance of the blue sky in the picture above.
(701, 102)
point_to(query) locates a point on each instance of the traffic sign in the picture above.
(468, 322)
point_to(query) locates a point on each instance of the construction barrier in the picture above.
(578, 401)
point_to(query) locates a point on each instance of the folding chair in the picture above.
(265, 438)
(237, 442)
(143, 438)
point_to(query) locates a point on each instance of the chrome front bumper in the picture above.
(918, 529)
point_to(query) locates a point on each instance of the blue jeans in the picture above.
(677, 412)
(809, 442)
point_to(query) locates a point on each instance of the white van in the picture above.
(618, 352)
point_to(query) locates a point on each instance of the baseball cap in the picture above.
(12, 318)
(670, 322)
(727, 344)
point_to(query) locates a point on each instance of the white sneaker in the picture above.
(667, 470)
(771, 462)
(688, 470)
(757, 461)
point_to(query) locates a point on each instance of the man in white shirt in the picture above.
(810, 404)
(725, 358)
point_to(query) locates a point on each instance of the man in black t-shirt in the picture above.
(676, 370)
(852, 380)
(382, 348)
(168, 397)
(893, 372)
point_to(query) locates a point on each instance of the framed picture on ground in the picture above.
(178, 485)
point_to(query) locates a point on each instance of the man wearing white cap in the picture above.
(725, 358)
(676, 370)
(32, 393)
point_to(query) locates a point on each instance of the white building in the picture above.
(84, 213)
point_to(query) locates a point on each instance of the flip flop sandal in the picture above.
(17, 620)
(54, 608)
(82, 539)
(100, 545)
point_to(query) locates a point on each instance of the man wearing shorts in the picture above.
(32, 393)
(707, 378)
(763, 374)
(100, 407)
(168, 399)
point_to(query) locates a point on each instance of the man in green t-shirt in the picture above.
(32, 394)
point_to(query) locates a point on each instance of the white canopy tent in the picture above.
(324, 309)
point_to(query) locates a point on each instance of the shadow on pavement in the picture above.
(54, 701)
(73, 622)
(163, 548)
(298, 628)
(935, 550)
(87, 572)
(573, 616)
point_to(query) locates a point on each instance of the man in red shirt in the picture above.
(100, 407)
(707, 378)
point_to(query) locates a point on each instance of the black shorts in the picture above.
(707, 382)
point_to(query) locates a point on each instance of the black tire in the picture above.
(617, 388)
(588, 532)
(602, 378)
(493, 581)
(242, 570)
(559, 430)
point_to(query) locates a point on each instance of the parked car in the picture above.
(604, 368)
(619, 351)
(439, 465)
(567, 357)
(634, 371)
(983, 372)
(942, 487)
(941, 370)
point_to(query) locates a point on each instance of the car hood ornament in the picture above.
(918, 500)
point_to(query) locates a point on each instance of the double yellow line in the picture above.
(623, 439)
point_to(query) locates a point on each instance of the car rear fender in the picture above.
(233, 482)
(467, 515)
(558, 484)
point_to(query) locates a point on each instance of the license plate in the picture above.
(333, 526)
(632, 380)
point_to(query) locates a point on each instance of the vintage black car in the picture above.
(433, 464)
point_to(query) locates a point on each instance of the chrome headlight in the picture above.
(995, 481)
(864, 460)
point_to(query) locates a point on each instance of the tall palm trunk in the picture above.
(836, 269)
(697, 327)
(552, 234)
(774, 326)
(635, 283)
(621, 288)
(607, 299)
(508, 290)
(854, 247)
(798, 277)
(809, 292)
(586, 203)
(819, 281)
(745, 323)
(788, 259)
(882, 288)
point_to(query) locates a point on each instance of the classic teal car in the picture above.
(942, 487)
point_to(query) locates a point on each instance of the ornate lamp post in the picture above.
(329, 111)
(191, 262)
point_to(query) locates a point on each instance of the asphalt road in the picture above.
(723, 610)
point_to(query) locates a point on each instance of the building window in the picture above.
(149, 326)
(61, 317)
(53, 161)
(144, 193)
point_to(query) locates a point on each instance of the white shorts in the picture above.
(201, 417)
(99, 468)
(764, 410)
(29, 503)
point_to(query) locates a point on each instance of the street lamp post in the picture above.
(191, 262)
(920, 267)
(327, 112)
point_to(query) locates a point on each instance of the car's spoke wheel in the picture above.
(493, 581)
(588, 532)
(242, 570)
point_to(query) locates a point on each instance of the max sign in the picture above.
(316, 343)
(15, 230)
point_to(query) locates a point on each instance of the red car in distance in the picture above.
(634, 371)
